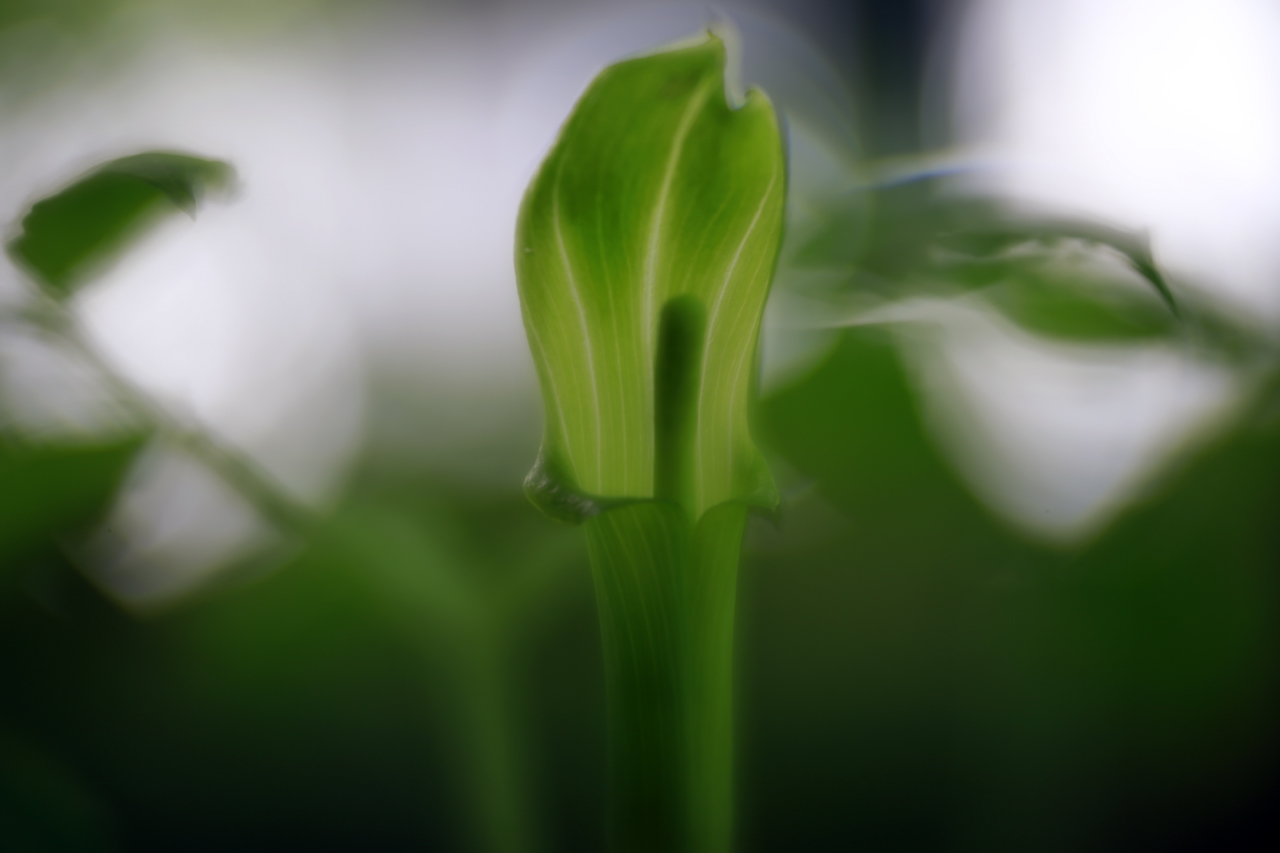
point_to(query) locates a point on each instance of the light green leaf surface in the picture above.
(70, 236)
(655, 218)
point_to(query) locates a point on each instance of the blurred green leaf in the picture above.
(1057, 309)
(1134, 246)
(1069, 295)
(913, 238)
(657, 213)
(72, 235)
(879, 235)
(49, 491)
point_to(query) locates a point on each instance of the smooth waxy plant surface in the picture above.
(644, 252)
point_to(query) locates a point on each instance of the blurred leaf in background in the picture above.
(50, 492)
(71, 236)
(918, 236)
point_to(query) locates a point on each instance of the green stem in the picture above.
(666, 586)
(666, 591)
(713, 596)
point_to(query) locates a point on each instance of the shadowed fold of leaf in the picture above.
(658, 192)
(50, 491)
(72, 235)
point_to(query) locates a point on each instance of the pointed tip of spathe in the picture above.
(721, 36)
(723, 30)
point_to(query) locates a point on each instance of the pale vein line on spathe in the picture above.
(582, 320)
(649, 281)
(711, 324)
(555, 393)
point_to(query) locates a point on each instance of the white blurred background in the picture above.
(1161, 117)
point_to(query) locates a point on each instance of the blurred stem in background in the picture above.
(244, 475)
(469, 630)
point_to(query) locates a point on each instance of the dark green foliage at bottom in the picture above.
(49, 492)
(920, 676)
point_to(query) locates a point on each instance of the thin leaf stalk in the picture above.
(243, 474)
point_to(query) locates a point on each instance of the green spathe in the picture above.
(660, 201)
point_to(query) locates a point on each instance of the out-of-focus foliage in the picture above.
(50, 491)
(981, 690)
(43, 806)
(1069, 279)
(346, 700)
(70, 236)
(426, 671)
(912, 667)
